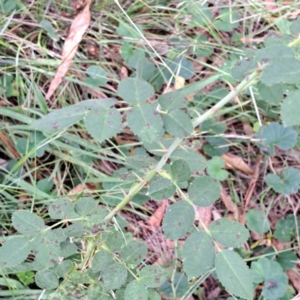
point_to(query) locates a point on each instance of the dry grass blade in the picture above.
(77, 30)
(234, 162)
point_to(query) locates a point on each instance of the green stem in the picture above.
(136, 188)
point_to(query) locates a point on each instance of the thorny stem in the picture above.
(248, 81)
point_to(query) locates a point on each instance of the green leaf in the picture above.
(97, 76)
(204, 191)
(96, 103)
(101, 261)
(285, 229)
(202, 13)
(198, 254)
(178, 220)
(286, 184)
(194, 159)
(274, 54)
(152, 276)
(227, 21)
(85, 206)
(173, 100)
(287, 260)
(180, 171)
(181, 67)
(60, 118)
(135, 91)
(257, 222)
(47, 249)
(228, 233)
(67, 249)
(27, 223)
(135, 290)
(290, 109)
(270, 94)
(114, 276)
(14, 252)
(153, 295)
(134, 252)
(46, 279)
(95, 220)
(103, 123)
(243, 68)
(178, 124)
(62, 209)
(275, 280)
(46, 25)
(128, 31)
(234, 274)
(214, 168)
(115, 240)
(179, 284)
(159, 146)
(277, 135)
(161, 188)
(63, 268)
(145, 122)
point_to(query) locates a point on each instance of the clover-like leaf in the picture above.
(152, 276)
(214, 168)
(204, 191)
(145, 122)
(290, 109)
(257, 222)
(101, 261)
(62, 209)
(285, 229)
(114, 276)
(85, 206)
(103, 123)
(135, 290)
(115, 240)
(198, 254)
(60, 118)
(270, 94)
(227, 21)
(46, 279)
(97, 76)
(135, 91)
(173, 100)
(181, 67)
(14, 251)
(234, 274)
(134, 252)
(287, 260)
(287, 183)
(178, 124)
(178, 220)
(277, 135)
(161, 188)
(180, 170)
(228, 233)
(27, 223)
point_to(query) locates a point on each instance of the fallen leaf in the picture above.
(295, 279)
(9, 145)
(156, 218)
(204, 214)
(77, 30)
(179, 82)
(234, 162)
(78, 189)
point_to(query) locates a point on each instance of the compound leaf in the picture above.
(97, 76)
(178, 220)
(152, 276)
(60, 118)
(134, 252)
(135, 91)
(228, 233)
(290, 109)
(114, 276)
(234, 274)
(153, 295)
(27, 223)
(135, 290)
(178, 124)
(204, 191)
(85, 206)
(103, 123)
(14, 252)
(115, 240)
(286, 184)
(256, 221)
(161, 188)
(145, 122)
(198, 254)
(173, 100)
(46, 279)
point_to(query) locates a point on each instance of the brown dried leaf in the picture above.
(234, 162)
(226, 199)
(78, 189)
(204, 214)
(270, 5)
(295, 279)
(77, 30)
(156, 218)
